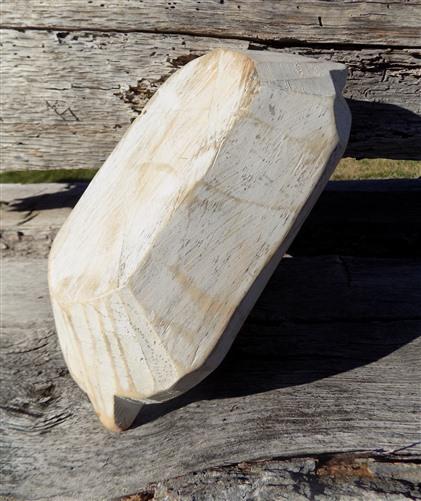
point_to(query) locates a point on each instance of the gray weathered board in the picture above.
(383, 224)
(77, 73)
(339, 477)
(383, 22)
(327, 363)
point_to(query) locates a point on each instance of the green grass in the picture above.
(47, 176)
(348, 168)
(377, 168)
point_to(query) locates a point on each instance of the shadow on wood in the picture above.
(67, 196)
(382, 130)
(359, 218)
(281, 345)
(364, 218)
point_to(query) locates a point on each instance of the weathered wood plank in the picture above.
(382, 219)
(347, 476)
(335, 368)
(387, 22)
(69, 96)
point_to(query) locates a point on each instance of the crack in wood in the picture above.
(276, 43)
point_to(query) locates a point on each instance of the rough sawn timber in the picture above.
(382, 22)
(335, 371)
(70, 95)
